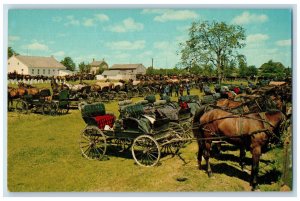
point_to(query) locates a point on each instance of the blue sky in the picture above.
(137, 35)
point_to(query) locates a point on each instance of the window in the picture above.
(44, 71)
(48, 72)
(32, 71)
(18, 63)
(38, 71)
(8, 63)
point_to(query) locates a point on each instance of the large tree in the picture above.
(273, 70)
(214, 43)
(69, 63)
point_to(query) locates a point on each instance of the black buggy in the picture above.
(147, 136)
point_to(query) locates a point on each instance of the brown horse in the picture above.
(251, 131)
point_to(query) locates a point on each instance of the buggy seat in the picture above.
(95, 114)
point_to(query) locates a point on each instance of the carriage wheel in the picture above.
(177, 133)
(64, 108)
(49, 108)
(187, 126)
(145, 151)
(92, 143)
(22, 106)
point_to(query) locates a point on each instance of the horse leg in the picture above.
(242, 157)
(256, 152)
(200, 153)
(206, 157)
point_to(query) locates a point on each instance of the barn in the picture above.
(34, 65)
(124, 71)
(98, 65)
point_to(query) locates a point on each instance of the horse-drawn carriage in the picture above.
(44, 103)
(147, 136)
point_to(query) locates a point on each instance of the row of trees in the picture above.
(269, 69)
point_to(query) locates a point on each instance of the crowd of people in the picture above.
(176, 88)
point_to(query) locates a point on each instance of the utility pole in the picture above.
(152, 63)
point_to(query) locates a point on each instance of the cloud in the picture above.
(72, 21)
(256, 38)
(59, 53)
(36, 46)
(101, 17)
(247, 18)
(127, 25)
(284, 42)
(154, 11)
(176, 15)
(88, 22)
(126, 45)
(13, 38)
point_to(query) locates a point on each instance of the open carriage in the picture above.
(44, 103)
(147, 136)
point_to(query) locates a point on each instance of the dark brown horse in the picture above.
(251, 131)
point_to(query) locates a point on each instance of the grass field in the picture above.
(43, 156)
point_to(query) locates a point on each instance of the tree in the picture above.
(11, 52)
(69, 63)
(81, 67)
(213, 43)
(273, 70)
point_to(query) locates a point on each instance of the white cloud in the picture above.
(284, 42)
(72, 21)
(247, 18)
(59, 53)
(101, 17)
(36, 46)
(176, 15)
(126, 45)
(154, 11)
(122, 56)
(127, 25)
(256, 38)
(13, 38)
(88, 22)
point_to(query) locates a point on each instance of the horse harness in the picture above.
(267, 127)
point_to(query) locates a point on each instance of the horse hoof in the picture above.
(209, 174)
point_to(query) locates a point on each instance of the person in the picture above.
(176, 89)
(171, 89)
(166, 92)
(181, 90)
(188, 89)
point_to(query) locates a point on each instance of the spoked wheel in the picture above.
(63, 108)
(187, 126)
(49, 108)
(22, 107)
(179, 135)
(92, 143)
(145, 151)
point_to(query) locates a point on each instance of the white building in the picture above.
(124, 71)
(34, 65)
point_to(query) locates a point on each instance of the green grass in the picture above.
(44, 156)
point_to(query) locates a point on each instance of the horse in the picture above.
(252, 131)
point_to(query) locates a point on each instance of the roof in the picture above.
(111, 72)
(98, 63)
(125, 66)
(43, 62)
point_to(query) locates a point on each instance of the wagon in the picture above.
(148, 137)
(44, 103)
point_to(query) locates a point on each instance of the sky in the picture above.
(138, 35)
